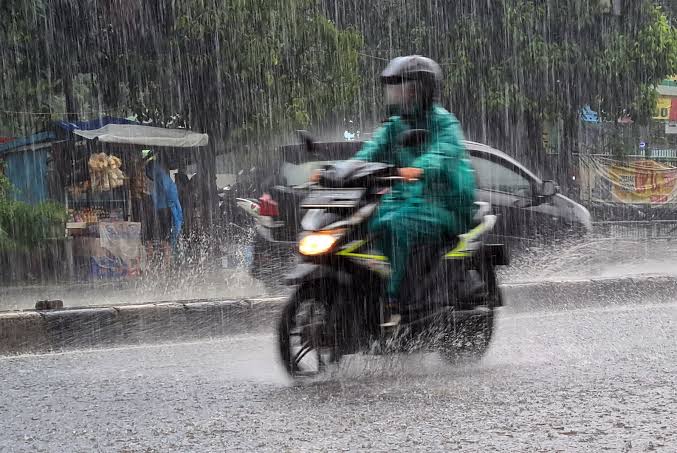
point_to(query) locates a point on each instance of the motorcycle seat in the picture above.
(424, 257)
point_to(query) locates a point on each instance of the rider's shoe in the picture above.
(391, 314)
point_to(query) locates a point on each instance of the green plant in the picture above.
(24, 226)
(5, 186)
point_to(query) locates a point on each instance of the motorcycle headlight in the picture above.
(315, 244)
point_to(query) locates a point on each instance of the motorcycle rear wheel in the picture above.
(469, 338)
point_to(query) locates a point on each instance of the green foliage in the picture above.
(512, 66)
(240, 69)
(231, 68)
(549, 64)
(26, 227)
(266, 65)
(5, 187)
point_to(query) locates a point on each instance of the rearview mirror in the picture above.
(548, 189)
(307, 140)
(523, 203)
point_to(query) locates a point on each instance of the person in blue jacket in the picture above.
(169, 215)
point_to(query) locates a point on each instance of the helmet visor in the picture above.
(399, 94)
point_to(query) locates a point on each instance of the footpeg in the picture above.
(392, 321)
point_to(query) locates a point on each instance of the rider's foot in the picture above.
(391, 314)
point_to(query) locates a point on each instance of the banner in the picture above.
(122, 242)
(633, 182)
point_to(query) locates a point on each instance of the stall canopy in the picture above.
(146, 136)
(91, 124)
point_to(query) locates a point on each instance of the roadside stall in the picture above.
(106, 186)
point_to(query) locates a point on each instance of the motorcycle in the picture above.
(336, 309)
(235, 222)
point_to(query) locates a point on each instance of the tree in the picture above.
(228, 67)
(511, 66)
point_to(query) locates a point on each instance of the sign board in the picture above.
(671, 128)
(642, 145)
(663, 106)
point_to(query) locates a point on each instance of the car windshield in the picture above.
(496, 177)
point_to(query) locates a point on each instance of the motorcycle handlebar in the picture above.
(395, 178)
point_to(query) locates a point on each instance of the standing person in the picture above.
(168, 212)
(183, 186)
(437, 199)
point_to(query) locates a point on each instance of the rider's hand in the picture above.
(411, 173)
(315, 176)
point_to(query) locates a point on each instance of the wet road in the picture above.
(586, 379)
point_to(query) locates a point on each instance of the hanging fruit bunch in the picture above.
(115, 176)
(105, 172)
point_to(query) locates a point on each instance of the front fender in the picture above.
(308, 272)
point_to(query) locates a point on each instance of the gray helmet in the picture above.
(426, 73)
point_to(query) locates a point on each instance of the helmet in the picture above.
(412, 84)
(147, 155)
(149, 158)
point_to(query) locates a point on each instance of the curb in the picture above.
(90, 327)
(103, 326)
(563, 295)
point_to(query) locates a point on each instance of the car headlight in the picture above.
(315, 244)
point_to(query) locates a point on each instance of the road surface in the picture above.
(592, 378)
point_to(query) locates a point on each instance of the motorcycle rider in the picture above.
(437, 199)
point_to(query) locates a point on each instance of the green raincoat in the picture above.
(438, 205)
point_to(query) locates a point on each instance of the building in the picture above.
(666, 106)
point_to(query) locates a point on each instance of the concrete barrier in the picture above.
(38, 331)
(32, 331)
(564, 295)
(22, 331)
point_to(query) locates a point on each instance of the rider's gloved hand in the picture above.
(411, 173)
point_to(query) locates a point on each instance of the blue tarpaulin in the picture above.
(25, 162)
(588, 115)
(27, 172)
(40, 137)
(92, 124)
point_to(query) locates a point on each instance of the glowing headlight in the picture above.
(317, 244)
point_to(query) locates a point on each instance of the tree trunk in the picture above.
(569, 146)
(71, 103)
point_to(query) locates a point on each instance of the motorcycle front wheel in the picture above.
(305, 339)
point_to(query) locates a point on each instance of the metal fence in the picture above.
(637, 230)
